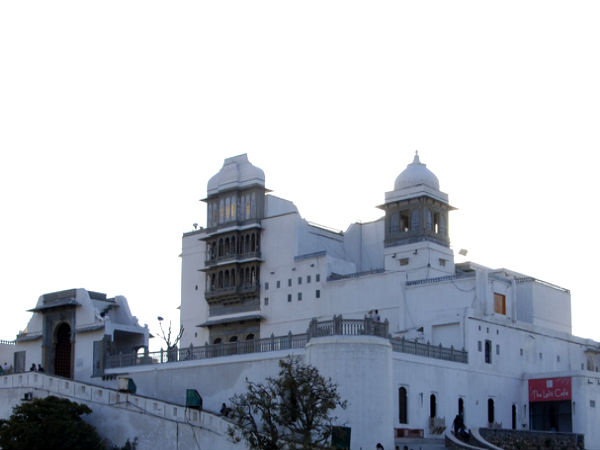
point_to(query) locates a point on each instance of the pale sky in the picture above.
(114, 115)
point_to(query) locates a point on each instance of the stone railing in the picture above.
(338, 326)
(270, 344)
(348, 327)
(430, 351)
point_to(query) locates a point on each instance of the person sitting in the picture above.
(225, 410)
(32, 368)
(460, 430)
(40, 368)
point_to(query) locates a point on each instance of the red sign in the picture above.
(550, 389)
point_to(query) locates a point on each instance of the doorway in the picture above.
(62, 353)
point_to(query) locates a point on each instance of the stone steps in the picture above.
(420, 444)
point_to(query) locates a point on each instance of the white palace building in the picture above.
(410, 337)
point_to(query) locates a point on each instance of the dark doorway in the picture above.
(551, 416)
(62, 354)
(491, 410)
(514, 417)
(403, 403)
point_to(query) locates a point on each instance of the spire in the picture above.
(416, 159)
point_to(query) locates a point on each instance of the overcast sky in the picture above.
(114, 115)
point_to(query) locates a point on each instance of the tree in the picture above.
(49, 422)
(291, 411)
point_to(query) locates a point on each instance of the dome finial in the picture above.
(416, 159)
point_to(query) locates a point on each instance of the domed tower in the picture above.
(235, 208)
(416, 224)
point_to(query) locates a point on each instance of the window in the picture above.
(432, 406)
(308, 278)
(488, 351)
(521, 351)
(461, 406)
(299, 296)
(289, 297)
(499, 303)
(478, 346)
(266, 286)
(266, 301)
(318, 277)
(289, 282)
(278, 284)
(442, 262)
(299, 280)
(403, 405)
(318, 293)
(404, 261)
(497, 349)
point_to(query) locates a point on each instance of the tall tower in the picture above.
(235, 209)
(416, 225)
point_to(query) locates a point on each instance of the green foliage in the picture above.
(49, 422)
(289, 412)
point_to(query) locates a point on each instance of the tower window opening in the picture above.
(436, 223)
(404, 222)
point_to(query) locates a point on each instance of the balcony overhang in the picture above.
(232, 319)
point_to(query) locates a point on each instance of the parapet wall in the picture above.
(119, 416)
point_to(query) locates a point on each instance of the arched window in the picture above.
(490, 410)
(247, 247)
(403, 405)
(233, 278)
(253, 243)
(233, 339)
(217, 341)
(432, 406)
(227, 278)
(250, 337)
(227, 251)
(220, 247)
(220, 286)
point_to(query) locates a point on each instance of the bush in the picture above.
(49, 422)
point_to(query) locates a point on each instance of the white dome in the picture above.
(416, 174)
(237, 171)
